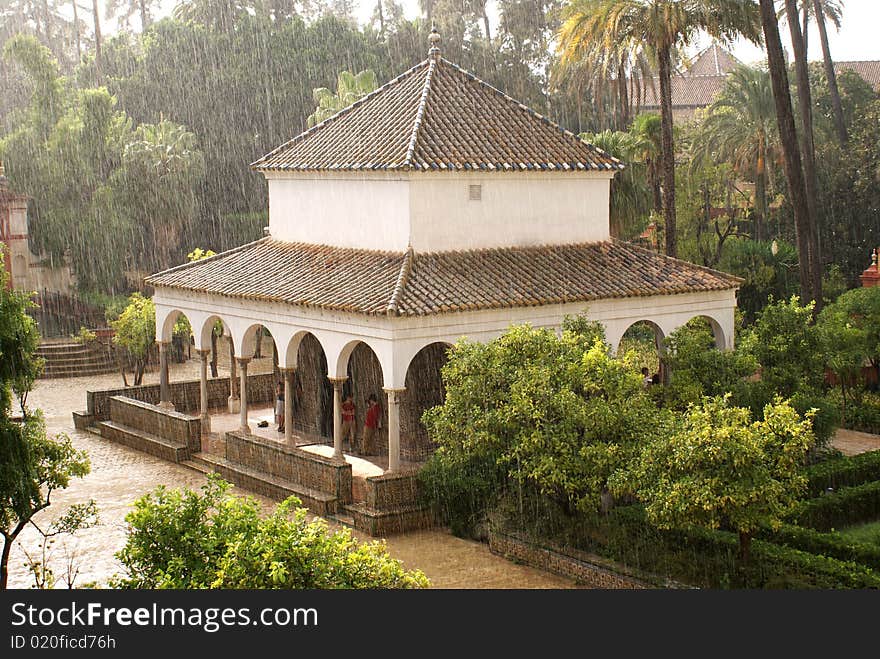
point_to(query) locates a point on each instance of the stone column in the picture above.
(393, 429)
(203, 392)
(288, 374)
(337, 417)
(242, 392)
(164, 388)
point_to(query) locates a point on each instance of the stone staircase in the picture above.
(71, 359)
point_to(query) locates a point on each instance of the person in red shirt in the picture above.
(348, 414)
(371, 424)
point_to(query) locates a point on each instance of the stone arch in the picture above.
(180, 345)
(716, 328)
(361, 365)
(424, 389)
(637, 332)
(312, 391)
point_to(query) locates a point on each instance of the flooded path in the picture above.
(120, 475)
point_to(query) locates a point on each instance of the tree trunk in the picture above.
(808, 152)
(213, 353)
(76, 33)
(97, 20)
(258, 343)
(233, 380)
(760, 195)
(623, 95)
(745, 539)
(794, 175)
(381, 18)
(668, 149)
(486, 24)
(4, 561)
(144, 20)
(655, 185)
(839, 124)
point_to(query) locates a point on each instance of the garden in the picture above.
(722, 476)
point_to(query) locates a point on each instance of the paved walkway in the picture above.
(120, 475)
(852, 442)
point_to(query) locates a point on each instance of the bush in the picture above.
(846, 471)
(215, 540)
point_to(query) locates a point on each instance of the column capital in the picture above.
(163, 344)
(287, 369)
(243, 361)
(203, 352)
(393, 395)
(338, 382)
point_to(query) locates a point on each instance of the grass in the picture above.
(868, 533)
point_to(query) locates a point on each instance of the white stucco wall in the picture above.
(515, 209)
(433, 211)
(367, 211)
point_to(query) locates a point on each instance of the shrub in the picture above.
(834, 545)
(850, 505)
(845, 471)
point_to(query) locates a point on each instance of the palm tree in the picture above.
(630, 197)
(349, 88)
(794, 175)
(661, 26)
(831, 10)
(218, 14)
(646, 131)
(740, 128)
(808, 150)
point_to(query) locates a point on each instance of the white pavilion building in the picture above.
(432, 209)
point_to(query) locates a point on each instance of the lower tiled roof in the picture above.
(417, 284)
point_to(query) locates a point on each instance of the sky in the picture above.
(856, 40)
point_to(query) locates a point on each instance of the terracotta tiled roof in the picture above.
(415, 284)
(712, 61)
(698, 91)
(436, 116)
(868, 69)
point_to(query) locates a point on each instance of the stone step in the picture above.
(319, 503)
(62, 348)
(343, 518)
(144, 441)
(391, 521)
(87, 357)
(50, 374)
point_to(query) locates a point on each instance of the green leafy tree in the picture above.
(533, 410)
(215, 540)
(721, 469)
(136, 332)
(32, 466)
(349, 88)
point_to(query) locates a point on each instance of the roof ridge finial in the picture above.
(434, 40)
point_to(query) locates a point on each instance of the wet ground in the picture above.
(119, 475)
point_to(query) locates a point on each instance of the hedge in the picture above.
(846, 471)
(833, 545)
(701, 557)
(847, 506)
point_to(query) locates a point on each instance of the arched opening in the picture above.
(365, 379)
(217, 336)
(645, 339)
(312, 391)
(711, 327)
(259, 344)
(424, 390)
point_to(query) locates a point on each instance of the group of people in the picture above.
(648, 379)
(372, 420)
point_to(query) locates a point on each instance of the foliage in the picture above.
(723, 469)
(136, 331)
(85, 336)
(77, 517)
(183, 539)
(32, 466)
(349, 88)
(540, 410)
(697, 368)
(843, 507)
(19, 339)
(767, 275)
(788, 346)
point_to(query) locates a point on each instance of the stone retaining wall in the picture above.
(586, 569)
(391, 491)
(170, 425)
(185, 395)
(312, 471)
